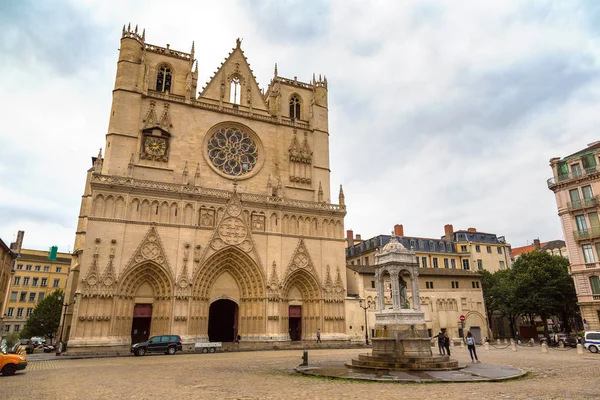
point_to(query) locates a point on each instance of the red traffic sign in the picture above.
(462, 318)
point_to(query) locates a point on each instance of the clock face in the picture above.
(155, 146)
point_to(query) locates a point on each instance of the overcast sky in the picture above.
(440, 111)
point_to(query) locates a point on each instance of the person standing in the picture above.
(440, 338)
(471, 346)
(447, 343)
(319, 335)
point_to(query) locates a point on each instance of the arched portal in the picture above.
(222, 321)
(302, 305)
(144, 302)
(232, 273)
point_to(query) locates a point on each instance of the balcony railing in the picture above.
(596, 297)
(590, 233)
(592, 265)
(582, 203)
(572, 175)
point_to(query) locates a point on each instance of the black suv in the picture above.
(168, 344)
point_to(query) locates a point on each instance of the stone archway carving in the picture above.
(252, 284)
(162, 284)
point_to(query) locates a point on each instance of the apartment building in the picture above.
(575, 182)
(36, 274)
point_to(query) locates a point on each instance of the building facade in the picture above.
(576, 184)
(486, 251)
(7, 257)
(209, 216)
(37, 274)
(447, 290)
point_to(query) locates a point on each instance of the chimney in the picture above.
(536, 243)
(472, 230)
(398, 230)
(16, 246)
(448, 232)
(349, 238)
(358, 238)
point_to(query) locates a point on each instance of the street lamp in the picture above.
(62, 326)
(365, 307)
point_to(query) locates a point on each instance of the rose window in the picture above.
(232, 151)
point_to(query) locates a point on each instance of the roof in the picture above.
(593, 146)
(370, 270)
(517, 251)
(479, 237)
(43, 259)
(7, 248)
(369, 245)
(545, 246)
(554, 244)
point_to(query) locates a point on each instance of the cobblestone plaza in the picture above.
(559, 374)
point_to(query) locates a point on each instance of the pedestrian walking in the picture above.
(319, 335)
(447, 343)
(440, 338)
(471, 346)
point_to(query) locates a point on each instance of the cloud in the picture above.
(439, 112)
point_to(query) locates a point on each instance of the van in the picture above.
(592, 341)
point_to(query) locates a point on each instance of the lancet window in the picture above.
(295, 107)
(163, 79)
(234, 90)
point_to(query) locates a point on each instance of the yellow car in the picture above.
(10, 363)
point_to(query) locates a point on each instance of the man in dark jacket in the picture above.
(440, 338)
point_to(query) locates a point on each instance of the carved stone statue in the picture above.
(403, 298)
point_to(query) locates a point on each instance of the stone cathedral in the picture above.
(208, 215)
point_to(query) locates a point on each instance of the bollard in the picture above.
(531, 342)
(462, 344)
(505, 342)
(499, 342)
(579, 348)
(486, 346)
(544, 347)
(304, 359)
(514, 345)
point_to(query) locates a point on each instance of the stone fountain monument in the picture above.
(401, 341)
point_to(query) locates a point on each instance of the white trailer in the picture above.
(207, 347)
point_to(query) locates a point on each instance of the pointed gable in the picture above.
(150, 249)
(235, 65)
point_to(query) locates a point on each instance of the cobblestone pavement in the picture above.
(269, 375)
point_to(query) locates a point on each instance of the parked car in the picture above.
(168, 344)
(568, 341)
(11, 363)
(592, 341)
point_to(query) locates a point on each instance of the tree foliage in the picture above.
(538, 284)
(45, 317)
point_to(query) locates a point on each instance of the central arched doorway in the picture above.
(222, 321)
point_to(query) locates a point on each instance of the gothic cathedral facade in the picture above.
(209, 215)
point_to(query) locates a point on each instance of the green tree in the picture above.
(543, 287)
(45, 317)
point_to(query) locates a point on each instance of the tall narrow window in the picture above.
(588, 253)
(294, 107)
(163, 79)
(465, 263)
(581, 224)
(234, 90)
(595, 284)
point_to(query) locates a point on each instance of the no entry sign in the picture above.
(462, 318)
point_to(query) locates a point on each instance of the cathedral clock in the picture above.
(154, 148)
